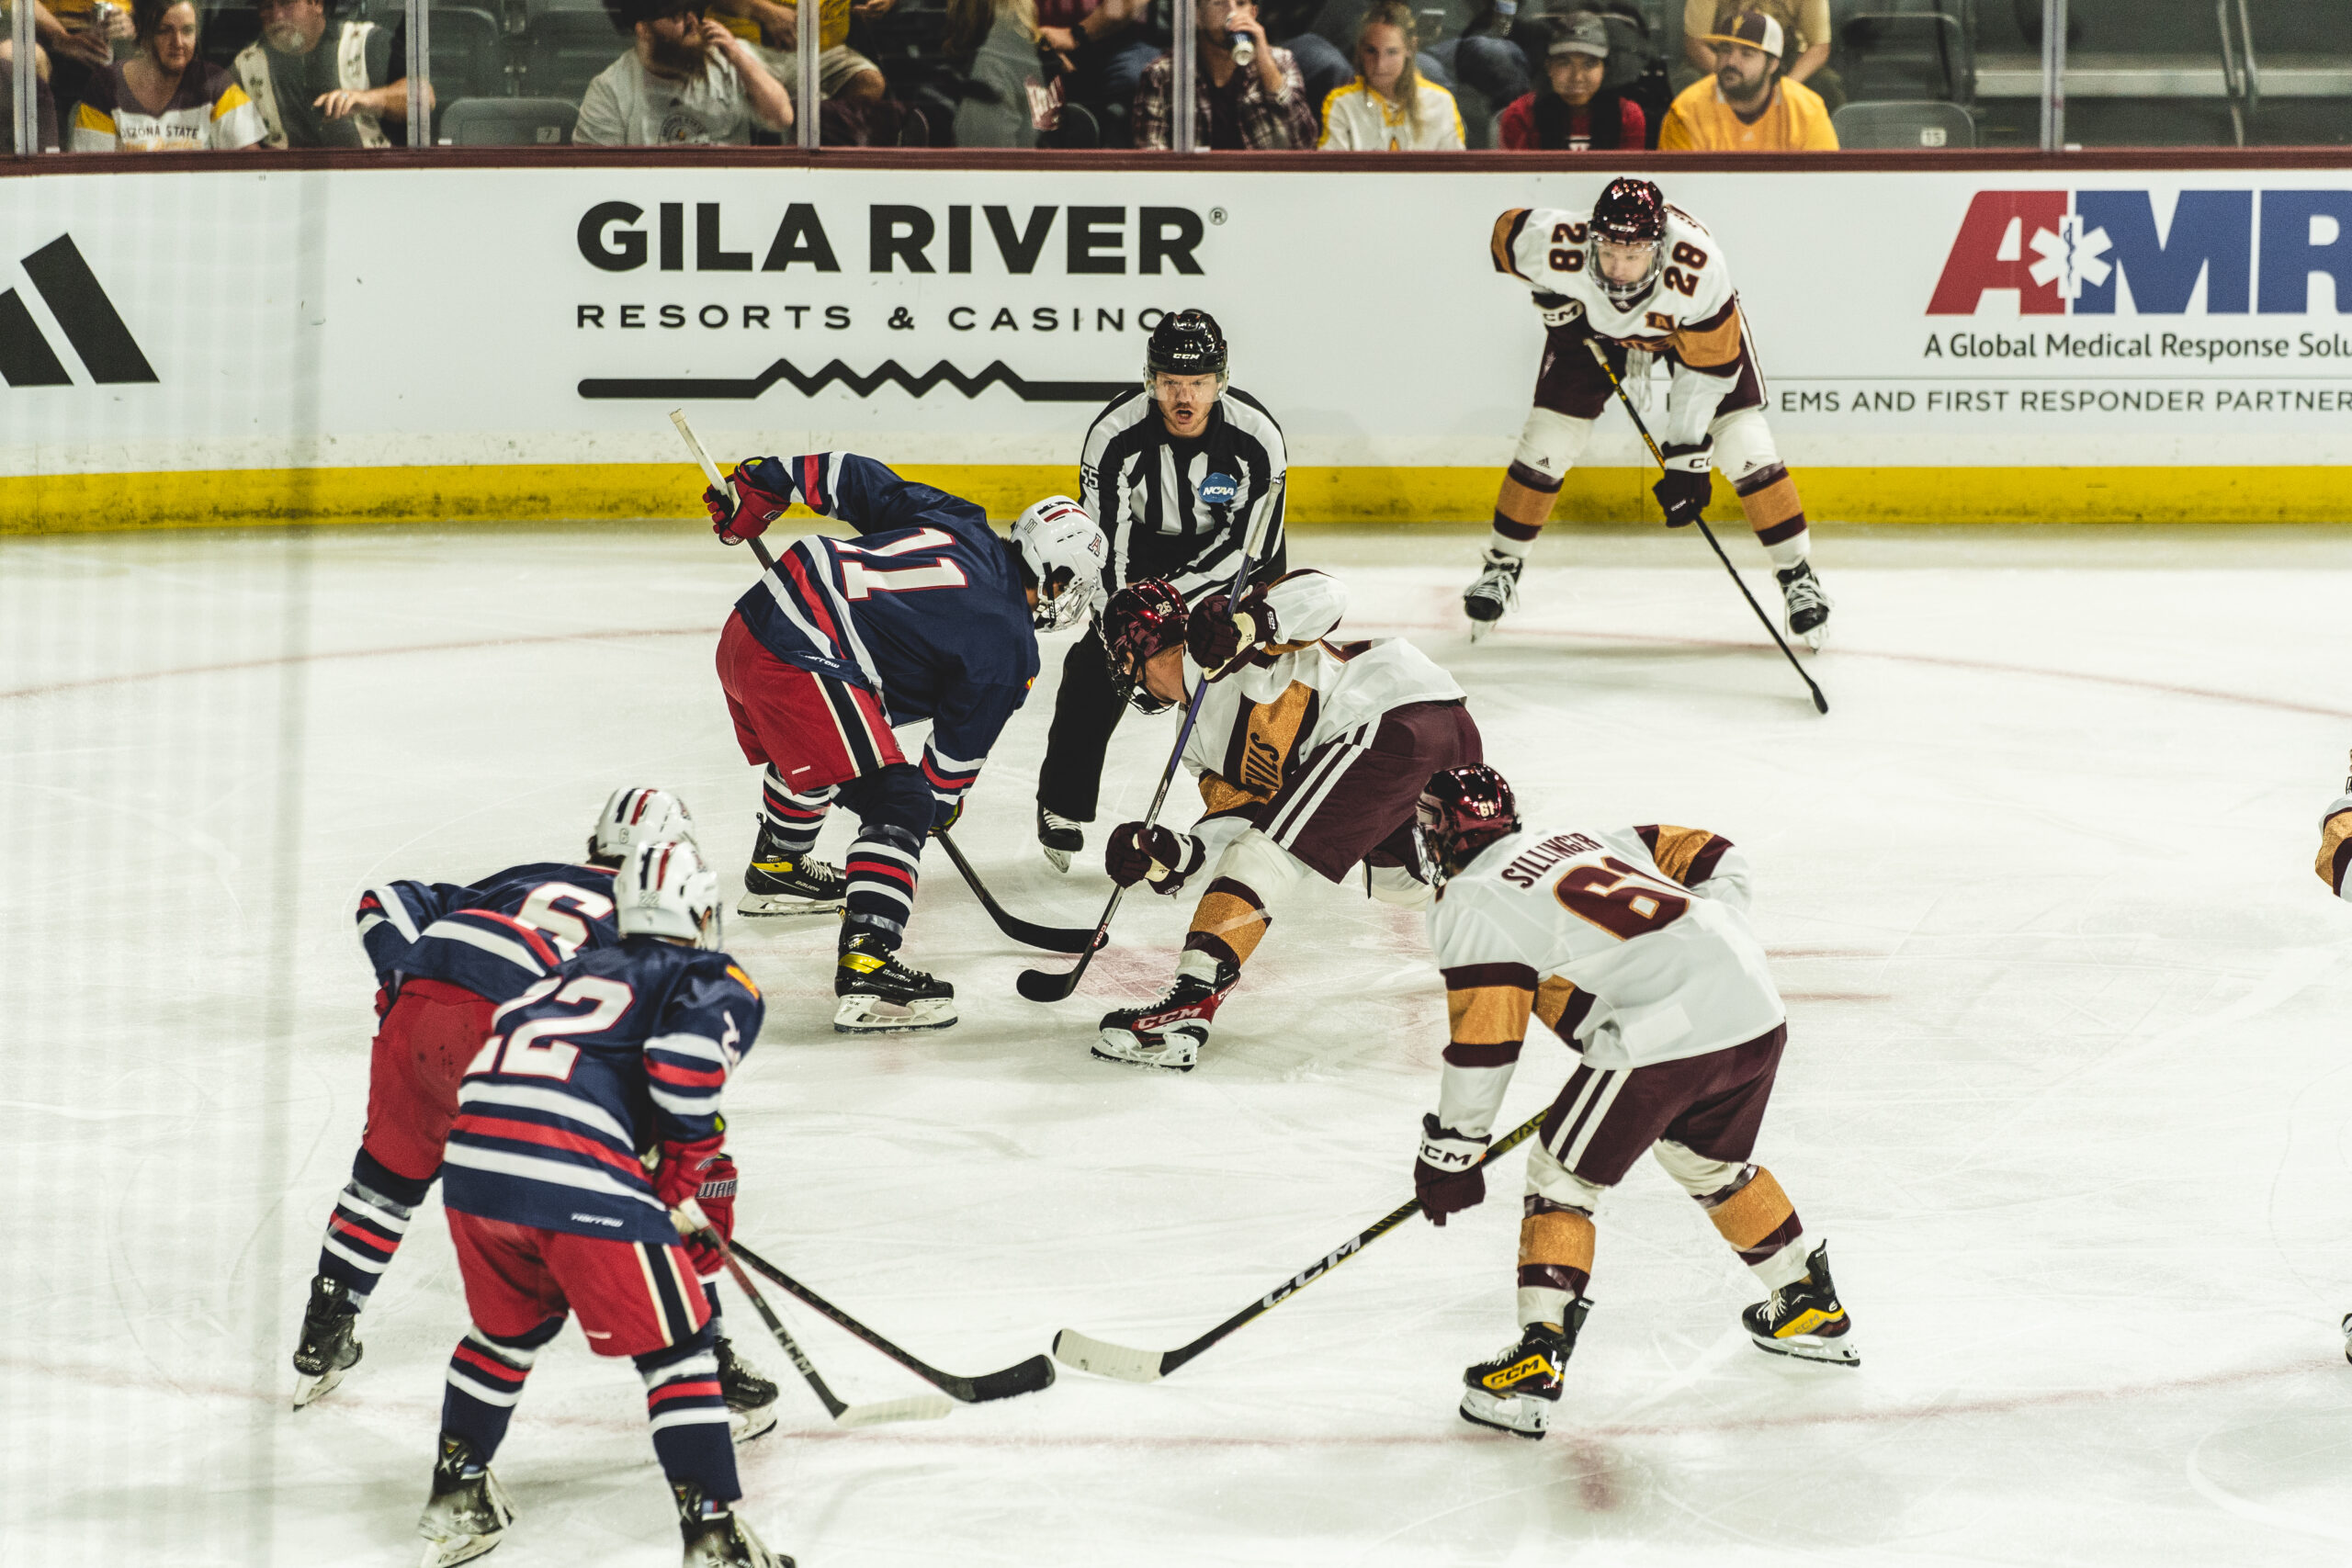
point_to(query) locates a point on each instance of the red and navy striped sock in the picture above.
(370, 1218)
(485, 1379)
(881, 873)
(689, 1416)
(789, 819)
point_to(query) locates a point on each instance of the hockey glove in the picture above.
(1686, 487)
(1451, 1175)
(1159, 855)
(705, 1174)
(761, 489)
(946, 812)
(1220, 631)
(1558, 309)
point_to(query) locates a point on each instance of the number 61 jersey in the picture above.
(1633, 943)
(621, 1050)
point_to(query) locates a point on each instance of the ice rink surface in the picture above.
(2068, 1087)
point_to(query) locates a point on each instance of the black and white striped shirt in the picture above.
(1142, 485)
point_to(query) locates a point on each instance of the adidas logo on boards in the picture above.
(91, 325)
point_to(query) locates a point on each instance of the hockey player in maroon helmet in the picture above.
(1645, 281)
(1632, 944)
(1309, 755)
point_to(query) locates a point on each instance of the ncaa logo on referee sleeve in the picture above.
(85, 317)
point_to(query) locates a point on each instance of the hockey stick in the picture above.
(1820, 703)
(1053, 939)
(710, 472)
(1023, 1377)
(1043, 985)
(922, 1407)
(1103, 1359)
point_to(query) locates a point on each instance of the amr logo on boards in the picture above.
(91, 325)
(2072, 252)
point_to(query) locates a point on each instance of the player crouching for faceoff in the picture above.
(445, 958)
(1310, 755)
(621, 1049)
(1643, 279)
(928, 614)
(1634, 945)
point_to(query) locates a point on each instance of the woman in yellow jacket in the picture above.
(1390, 106)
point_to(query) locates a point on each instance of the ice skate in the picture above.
(1060, 837)
(777, 882)
(2348, 1336)
(715, 1538)
(329, 1346)
(1170, 1032)
(1517, 1390)
(1495, 590)
(1808, 605)
(467, 1512)
(1805, 1319)
(878, 995)
(751, 1398)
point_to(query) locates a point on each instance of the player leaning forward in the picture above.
(1642, 279)
(1310, 755)
(928, 614)
(1632, 944)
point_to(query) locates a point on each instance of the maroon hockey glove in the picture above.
(1219, 631)
(1161, 854)
(1686, 487)
(746, 513)
(1451, 1175)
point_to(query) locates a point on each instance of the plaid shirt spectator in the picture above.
(1235, 116)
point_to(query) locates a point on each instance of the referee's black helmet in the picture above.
(1188, 342)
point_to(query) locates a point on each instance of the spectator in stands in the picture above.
(1260, 107)
(343, 95)
(688, 81)
(773, 32)
(1011, 89)
(1805, 23)
(1746, 107)
(164, 99)
(78, 41)
(1486, 66)
(1107, 49)
(45, 104)
(1390, 107)
(1571, 111)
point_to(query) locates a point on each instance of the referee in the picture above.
(1146, 461)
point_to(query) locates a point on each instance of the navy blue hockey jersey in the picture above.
(620, 1050)
(925, 609)
(496, 938)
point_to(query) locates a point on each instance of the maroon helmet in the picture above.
(1461, 811)
(1630, 212)
(1142, 619)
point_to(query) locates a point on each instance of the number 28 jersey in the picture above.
(621, 1050)
(1633, 943)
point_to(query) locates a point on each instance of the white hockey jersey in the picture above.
(1691, 315)
(1633, 944)
(1270, 719)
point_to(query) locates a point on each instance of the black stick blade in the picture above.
(1025, 1376)
(1044, 985)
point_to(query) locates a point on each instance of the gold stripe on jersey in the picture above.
(1219, 795)
(95, 120)
(2335, 849)
(1561, 1238)
(1677, 847)
(1488, 1015)
(1552, 999)
(1753, 1213)
(1267, 739)
(1709, 344)
(1507, 229)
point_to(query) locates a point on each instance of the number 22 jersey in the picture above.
(1632, 942)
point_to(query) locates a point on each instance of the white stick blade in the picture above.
(922, 1407)
(1104, 1359)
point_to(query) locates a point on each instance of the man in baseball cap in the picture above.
(1747, 106)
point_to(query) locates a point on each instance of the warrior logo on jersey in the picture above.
(2082, 252)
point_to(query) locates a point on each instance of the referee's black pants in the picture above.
(1086, 710)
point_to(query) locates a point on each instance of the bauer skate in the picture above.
(467, 1512)
(1808, 605)
(330, 1345)
(1495, 590)
(878, 995)
(779, 883)
(751, 1398)
(1518, 1390)
(1060, 837)
(1805, 1319)
(716, 1538)
(1170, 1032)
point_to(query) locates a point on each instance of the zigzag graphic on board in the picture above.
(995, 374)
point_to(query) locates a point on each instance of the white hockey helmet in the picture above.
(1065, 553)
(634, 817)
(664, 889)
